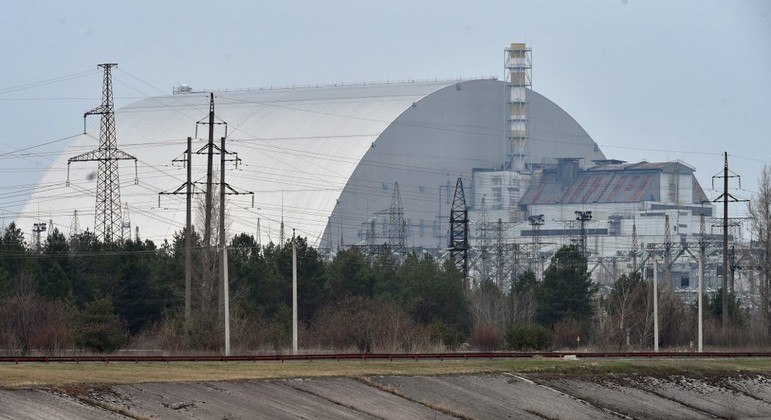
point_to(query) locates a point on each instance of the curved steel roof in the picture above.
(298, 150)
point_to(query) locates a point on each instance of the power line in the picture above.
(46, 82)
(38, 145)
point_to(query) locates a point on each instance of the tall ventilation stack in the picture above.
(518, 64)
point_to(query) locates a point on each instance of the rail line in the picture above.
(378, 356)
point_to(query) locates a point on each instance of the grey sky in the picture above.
(651, 80)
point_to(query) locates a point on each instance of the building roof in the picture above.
(300, 150)
(605, 183)
(617, 165)
(591, 187)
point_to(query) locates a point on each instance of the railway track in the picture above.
(378, 356)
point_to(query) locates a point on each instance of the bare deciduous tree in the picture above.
(760, 216)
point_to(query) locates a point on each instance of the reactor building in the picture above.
(368, 165)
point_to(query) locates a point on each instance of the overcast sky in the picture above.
(654, 80)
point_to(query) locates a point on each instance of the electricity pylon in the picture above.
(108, 223)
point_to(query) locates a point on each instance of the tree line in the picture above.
(79, 294)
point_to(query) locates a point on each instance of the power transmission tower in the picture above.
(37, 229)
(126, 225)
(459, 231)
(75, 225)
(500, 273)
(484, 246)
(107, 219)
(536, 221)
(397, 227)
(515, 268)
(281, 237)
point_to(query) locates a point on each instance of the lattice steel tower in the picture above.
(459, 245)
(108, 223)
(397, 226)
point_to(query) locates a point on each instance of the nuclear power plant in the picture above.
(377, 166)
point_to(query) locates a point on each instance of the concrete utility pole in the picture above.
(725, 244)
(702, 256)
(655, 305)
(209, 164)
(294, 293)
(224, 283)
(188, 185)
(189, 230)
(667, 254)
(701, 298)
(725, 198)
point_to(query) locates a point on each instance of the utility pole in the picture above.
(209, 164)
(725, 197)
(725, 244)
(225, 189)
(499, 260)
(224, 283)
(634, 250)
(702, 249)
(107, 216)
(667, 253)
(655, 305)
(187, 161)
(188, 231)
(294, 293)
(224, 288)
(209, 262)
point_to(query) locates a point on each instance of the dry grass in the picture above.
(65, 375)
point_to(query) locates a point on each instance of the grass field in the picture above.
(39, 375)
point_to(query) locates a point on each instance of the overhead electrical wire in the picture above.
(55, 80)
(306, 156)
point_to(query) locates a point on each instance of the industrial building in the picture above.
(376, 164)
